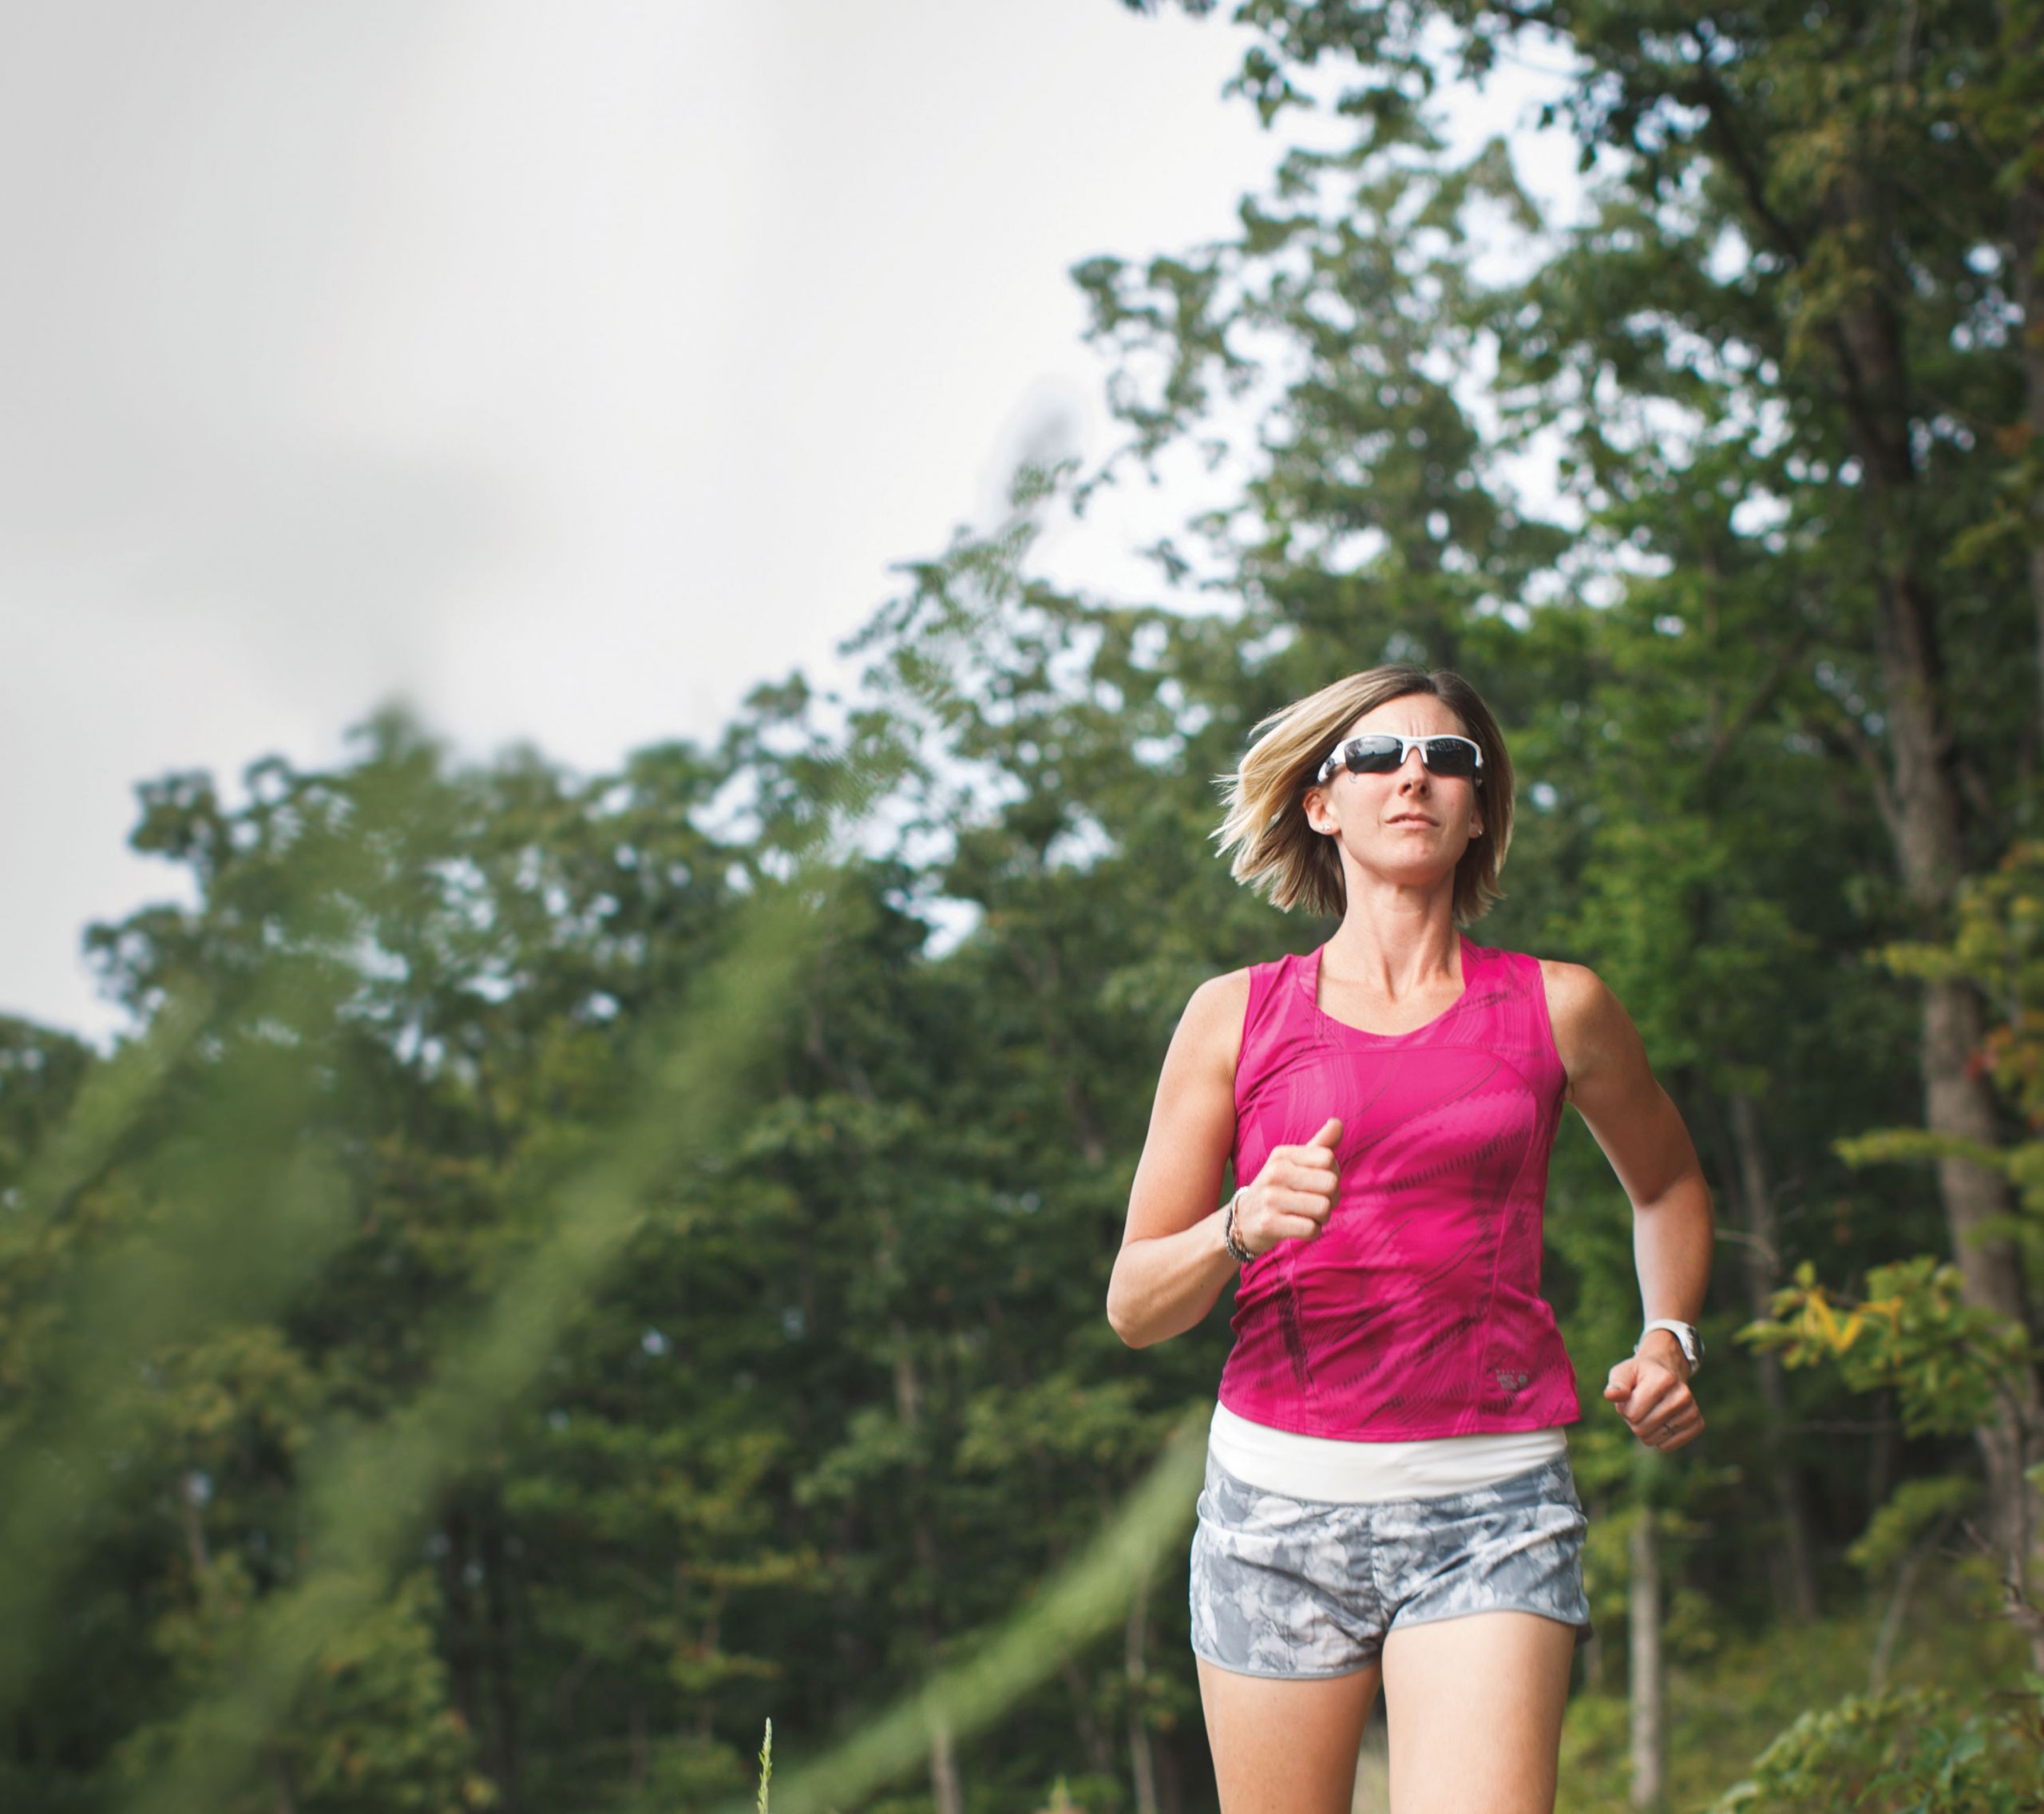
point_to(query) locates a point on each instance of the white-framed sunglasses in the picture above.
(1384, 752)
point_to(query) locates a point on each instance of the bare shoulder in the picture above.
(1573, 990)
(1212, 1023)
(1192, 1123)
(1591, 1026)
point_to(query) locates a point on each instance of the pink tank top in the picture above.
(1417, 1311)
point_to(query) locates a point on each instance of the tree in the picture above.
(1821, 227)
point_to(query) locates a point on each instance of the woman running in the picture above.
(1389, 1499)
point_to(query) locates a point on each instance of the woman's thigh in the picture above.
(1286, 1746)
(1474, 1708)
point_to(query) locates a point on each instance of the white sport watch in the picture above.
(1685, 1333)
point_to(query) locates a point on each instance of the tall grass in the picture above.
(1084, 1599)
(248, 1205)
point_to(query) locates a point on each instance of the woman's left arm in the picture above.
(1641, 1130)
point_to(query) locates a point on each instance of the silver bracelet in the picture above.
(1236, 1252)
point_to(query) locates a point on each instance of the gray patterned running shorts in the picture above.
(1283, 1586)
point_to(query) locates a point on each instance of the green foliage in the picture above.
(1948, 1361)
(1998, 948)
(1914, 1506)
(519, 1308)
(375, 1729)
(1080, 1601)
(1725, 1708)
(1919, 1749)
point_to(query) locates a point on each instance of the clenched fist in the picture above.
(1654, 1399)
(1292, 1195)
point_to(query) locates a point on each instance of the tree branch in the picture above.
(1721, 745)
(1842, 733)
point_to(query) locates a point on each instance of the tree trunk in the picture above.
(2026, 244)
(502, 1650)
(1795, 1572)
(1918, 793)
(1884, 1456)
(1957, 1103)
(2024, 1515)
(464, 1639)
(1047, 984)
(945, 1787)
(1927, 822)
(190, 1504)
(1593, 1649)
(1648, 1737)
(1171, 1779)
(1898, 1602)
(1092, 1740)
(286, 1802)
(1142, 1766)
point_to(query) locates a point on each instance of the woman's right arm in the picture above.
(1173, 1261)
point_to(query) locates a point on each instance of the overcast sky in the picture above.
(565, 370)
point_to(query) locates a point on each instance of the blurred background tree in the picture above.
(1768, 663)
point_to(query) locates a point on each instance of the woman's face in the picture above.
(1412, 825)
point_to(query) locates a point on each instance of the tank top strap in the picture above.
(1514, 1007)
(1269, 1024)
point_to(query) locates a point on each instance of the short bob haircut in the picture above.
(1277, 851)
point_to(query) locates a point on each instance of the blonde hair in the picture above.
(1275, 848)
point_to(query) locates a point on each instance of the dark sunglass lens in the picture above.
(1373, 754)
(1451, 755)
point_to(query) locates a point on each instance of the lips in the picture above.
(1412, 819)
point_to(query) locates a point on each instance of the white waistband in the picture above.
(1324, 1467)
